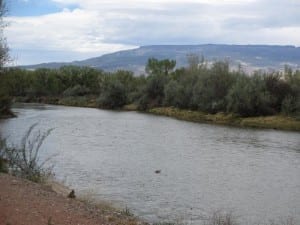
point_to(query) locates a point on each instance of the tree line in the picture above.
(202, 86)
(4, 57)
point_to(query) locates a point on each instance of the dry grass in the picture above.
(130, 107)
(80, 101)
(271, 122)
(221, 218)
(111, 213)
(196, 116)
(88, 198)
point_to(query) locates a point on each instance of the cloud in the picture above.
(76, 31)
(97, 27)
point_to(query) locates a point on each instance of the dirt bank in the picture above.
(24, 202)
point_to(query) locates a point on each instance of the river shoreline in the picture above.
(277, 122)
(25, 202)
(7, 115)
(216, 159)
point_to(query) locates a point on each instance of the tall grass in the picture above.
(220, 218)
(23, 160)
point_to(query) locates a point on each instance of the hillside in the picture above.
(251, 57)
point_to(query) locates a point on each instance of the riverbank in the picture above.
(25, 202)
(279, 122)
(7, 114)
(267, 122)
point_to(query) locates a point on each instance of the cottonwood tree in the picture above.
(3, 46)
(158, 67)
(4, 100)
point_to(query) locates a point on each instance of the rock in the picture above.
(72, 194)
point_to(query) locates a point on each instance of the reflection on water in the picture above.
(114, 155)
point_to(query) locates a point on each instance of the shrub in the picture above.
(77, 90)
(24, 160)
(5, 104)
(3, 161)
(248, 97)
(114, 96)
(288, 106)
(127, 212)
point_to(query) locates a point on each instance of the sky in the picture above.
(67, 30)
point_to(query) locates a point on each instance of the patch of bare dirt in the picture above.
(26, 203)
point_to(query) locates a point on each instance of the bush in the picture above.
(114, 96)
(24, 160)
(153, 92)
(3, 161)
(288, 106)
(171, 92)
(5, 104)
(249, 97)
(77, 90)
(178, 95)
(211, 88)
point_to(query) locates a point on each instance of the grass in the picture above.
(165, 223)
(225, 218)
(273, 122)
(270, 122)
(221, 218)
(24, 160)
(127, 212)
(112, 214)
(228, 218)
(80, 101)
(87, 197)
(130, 107)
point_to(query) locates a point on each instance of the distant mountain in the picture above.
(250, 57)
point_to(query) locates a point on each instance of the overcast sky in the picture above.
(66, 30)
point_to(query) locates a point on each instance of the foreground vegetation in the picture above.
(208, 89)
(5, 100)
(23, 160)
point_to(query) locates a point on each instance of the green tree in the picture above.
(4, 57)
(293, 99)
(278, 90)
(5, 101)
(249, 97)
(171, 91)
(212, 87)
(77, 90)
(158, 67)
(153, 92)
(17, 81)
(113, 96)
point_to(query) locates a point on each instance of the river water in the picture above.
(113, 156)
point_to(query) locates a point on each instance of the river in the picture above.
(113, 156)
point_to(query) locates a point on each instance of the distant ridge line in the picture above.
(250, 56)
